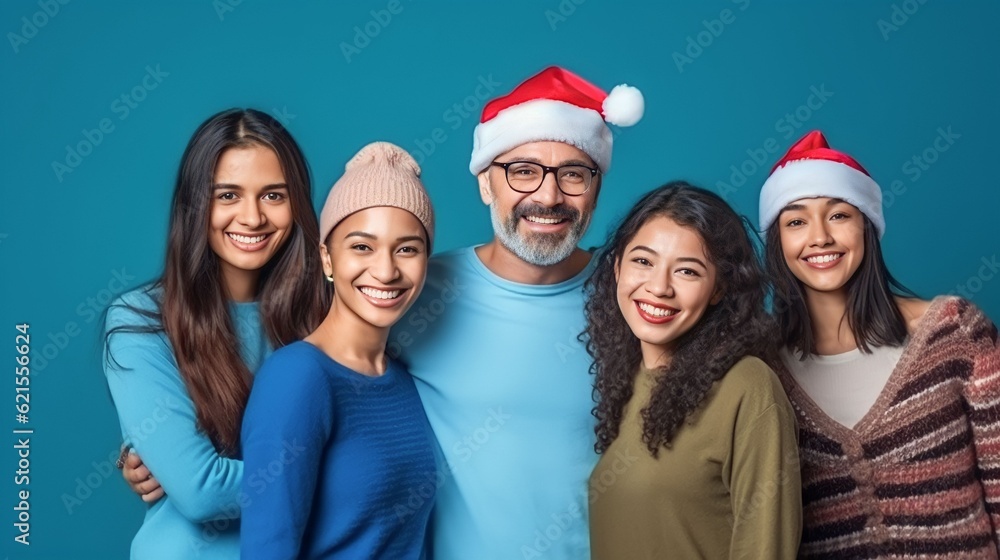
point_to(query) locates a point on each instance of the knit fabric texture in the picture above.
(919, 475)
(381, 174)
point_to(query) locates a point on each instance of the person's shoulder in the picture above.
(137, 308)
(146, 297)
(449, 260)
(752, 379)
(449, 269)
(913, 311)
(133, 334)
(750, 369)
(298, 363)
(299, 354)
(956, 316)
(453, 254)
(750, 391)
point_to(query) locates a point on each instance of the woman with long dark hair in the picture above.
(696, 436)
(338, 450)
(241, 278)
(897, 398)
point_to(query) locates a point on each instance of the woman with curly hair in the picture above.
(897, 398)
(696, 436)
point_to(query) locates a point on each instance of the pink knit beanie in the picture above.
(381, 174)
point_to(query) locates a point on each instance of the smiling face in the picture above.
(250, 215)
(822, 240)
(378, 260)
(544, 227)
(666, 282)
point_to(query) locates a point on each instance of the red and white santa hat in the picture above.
(812, 169)
(555, 105)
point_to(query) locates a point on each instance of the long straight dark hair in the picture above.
(872, 313)
(193, 310)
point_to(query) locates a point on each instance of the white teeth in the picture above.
(538, 220)
(380, 294)
(656, 311)
(824, 258)
(247, 240)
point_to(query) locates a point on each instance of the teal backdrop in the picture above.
(100, 99)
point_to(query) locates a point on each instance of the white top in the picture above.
(845, 386)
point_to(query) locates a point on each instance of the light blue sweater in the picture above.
(199, 516)
(506, 388)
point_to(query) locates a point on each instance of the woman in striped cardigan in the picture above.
(898, 399)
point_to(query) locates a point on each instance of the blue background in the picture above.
(69, 241)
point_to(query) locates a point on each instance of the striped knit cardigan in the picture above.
(919, 475)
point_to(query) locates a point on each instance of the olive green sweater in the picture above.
(728, 487)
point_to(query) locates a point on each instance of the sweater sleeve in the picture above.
(983, 394)
(765, 486)
(158, 419)
(286, 427)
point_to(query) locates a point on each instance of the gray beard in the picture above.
(537, 249)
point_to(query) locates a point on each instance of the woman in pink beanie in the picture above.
(338, 453)
(898, 399)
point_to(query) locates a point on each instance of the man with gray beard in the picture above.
(492, 341)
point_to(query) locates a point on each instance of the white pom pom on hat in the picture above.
(555, 105)
(624, 105)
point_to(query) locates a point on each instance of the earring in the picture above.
(329, 278)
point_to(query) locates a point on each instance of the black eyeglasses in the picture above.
(527, 176)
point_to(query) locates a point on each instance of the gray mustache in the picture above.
(560, 212)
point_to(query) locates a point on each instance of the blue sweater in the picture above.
(507, 391)
(338, 464)
(158, 418)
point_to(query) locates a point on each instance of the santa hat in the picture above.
(555, 105)
(812, 169)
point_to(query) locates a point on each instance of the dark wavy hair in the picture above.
(729, 330)
(192, 309)
(872, 313)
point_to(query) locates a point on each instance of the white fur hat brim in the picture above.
(813, 178)
(541, 120)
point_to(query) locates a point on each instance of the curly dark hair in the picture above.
(736, 326)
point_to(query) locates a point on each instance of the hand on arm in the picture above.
(158, 419)
(140, 480)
